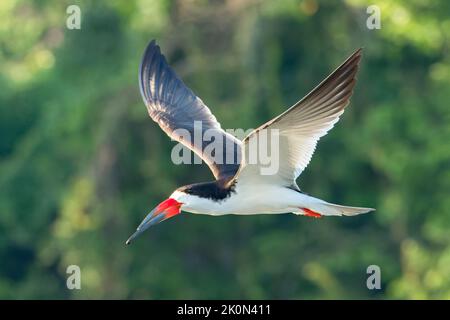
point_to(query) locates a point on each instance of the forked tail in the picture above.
(321, 208)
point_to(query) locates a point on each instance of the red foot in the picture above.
(310, 213)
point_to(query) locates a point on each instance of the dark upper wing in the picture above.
(178, 111)
(301, 126)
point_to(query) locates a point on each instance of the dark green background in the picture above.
(81, 163)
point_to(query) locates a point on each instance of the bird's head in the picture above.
(163, 211)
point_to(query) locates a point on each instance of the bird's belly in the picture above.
(263, 200)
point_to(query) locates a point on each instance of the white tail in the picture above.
(330, 209)
(319, 207)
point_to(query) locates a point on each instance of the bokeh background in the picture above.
(81, 163)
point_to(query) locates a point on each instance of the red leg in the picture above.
(310, 213)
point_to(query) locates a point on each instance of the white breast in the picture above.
(246, 199)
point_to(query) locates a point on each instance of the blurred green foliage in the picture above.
(81, 163)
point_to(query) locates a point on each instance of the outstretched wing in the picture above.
(179, 112)
(301, 126)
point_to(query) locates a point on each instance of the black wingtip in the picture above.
(353, 59)
(148, 52)
(151, 45)
(151, 52)
(358, 53)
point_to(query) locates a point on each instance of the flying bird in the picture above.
(240, 186)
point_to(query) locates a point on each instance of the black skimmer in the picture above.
(241, 187)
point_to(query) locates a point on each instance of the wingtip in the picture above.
(360, 51)
(151, 47)
(357, 54)
(354, 58)
(152, 44)
(151, 53)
